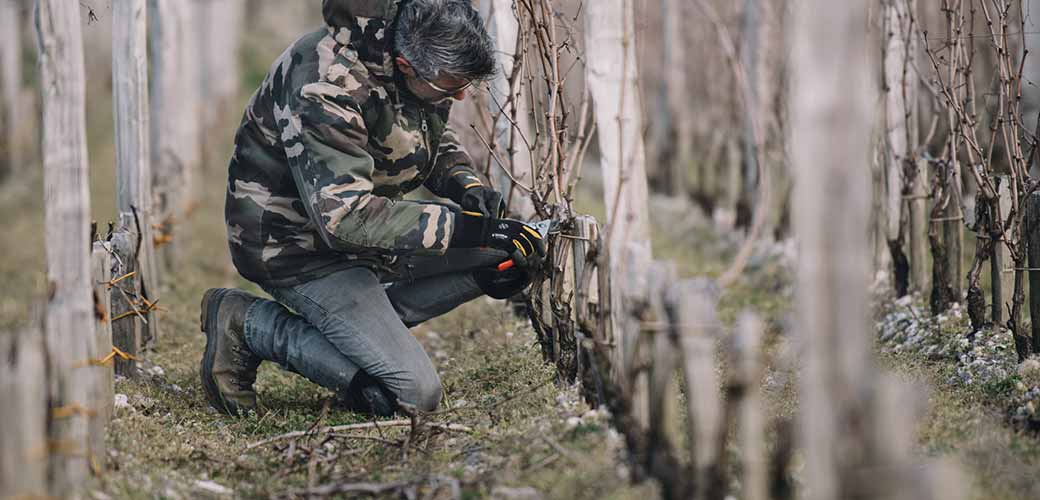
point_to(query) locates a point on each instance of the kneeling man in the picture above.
(348, 120)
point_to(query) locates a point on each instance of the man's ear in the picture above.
(404, 66)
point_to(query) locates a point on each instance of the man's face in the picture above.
(434, 91)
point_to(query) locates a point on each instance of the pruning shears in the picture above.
(544, 228)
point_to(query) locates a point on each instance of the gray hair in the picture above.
(444, 37)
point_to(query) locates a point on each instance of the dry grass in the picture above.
(527, 432)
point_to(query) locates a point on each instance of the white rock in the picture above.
(507, 493)
(213, 488)
(1029, 367)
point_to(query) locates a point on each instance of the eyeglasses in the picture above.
(446, 92)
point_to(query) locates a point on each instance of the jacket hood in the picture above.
(366, 26)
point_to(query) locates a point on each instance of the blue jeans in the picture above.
(332, 328)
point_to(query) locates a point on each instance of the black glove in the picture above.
(502, 284)
(521, 241)
(483, 200)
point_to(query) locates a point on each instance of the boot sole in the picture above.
(208, 324)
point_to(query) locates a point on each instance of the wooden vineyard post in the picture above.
(175, 102)
(663, 393)
(611, 76)
(900, 137)
(219, 30)
(831, 126)
(1003, 264)
(751, 119)
(99, 360)
(23, 416)
(69, 313)
(671, 140)
(586, 233)
(558, 309)
(127, 324)
(856, 425)
(918, 229)
(898, 407)
(953, 230)
(746, 370)
(10, 88)
(511, 119)
(586, 300)
(133, 162)
(1033, 244)
(691, 307)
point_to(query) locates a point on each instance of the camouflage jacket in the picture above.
(328, 145)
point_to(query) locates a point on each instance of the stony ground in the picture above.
(982, 403)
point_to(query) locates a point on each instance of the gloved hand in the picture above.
(502, 284)
(483, 200)
(522, 242)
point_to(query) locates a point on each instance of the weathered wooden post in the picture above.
(611, 76)
(586, 300)
(692, 305)
(746, 370)
(831, 124)
(134, 199)
(901, 135)
(663, 391)
(219, 31)
(1003, 265)
(1033, 247)
(23, 416)
(673, 134)
(69, 314)
(101, 354)
(127, 321)
(856, 425)
(586, 233)
(10, 87)
(1031, 66)
(504, 29)
(953, 226)
(176, 108)
(749, 55)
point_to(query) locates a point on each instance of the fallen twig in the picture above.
(334, 488)
(568, 454)
(486, 408)
(354, 427)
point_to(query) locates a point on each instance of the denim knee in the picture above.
(424, 392)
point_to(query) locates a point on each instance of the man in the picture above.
(349, 119)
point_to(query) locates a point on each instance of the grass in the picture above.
(527, 432)
(969, 421)
(967, 424)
